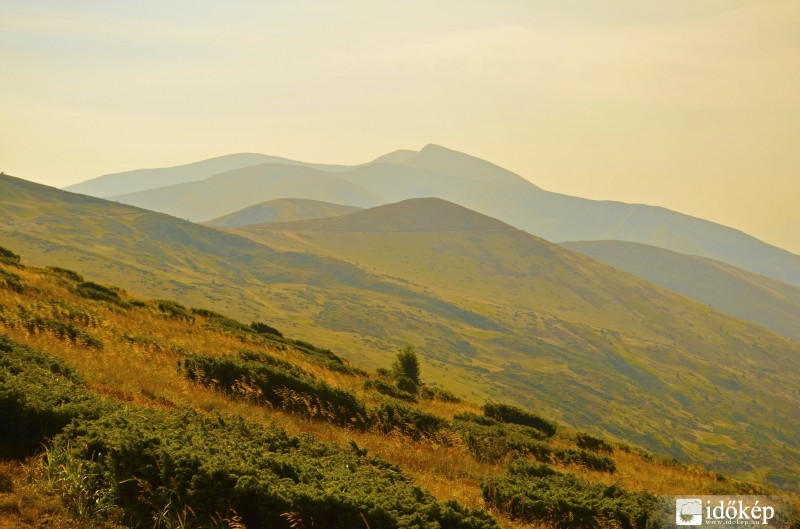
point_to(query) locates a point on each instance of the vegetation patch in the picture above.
(175, 310)
(7, 256)
(54, 318)
(263, 328)
(536, 493)
(39, 395)
(263, 379)
(66, 274)
(88, 289)
(595, 444)
(11, 281)
(390, 390)
(492, 441)
(516, 415)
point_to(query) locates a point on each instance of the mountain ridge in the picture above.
(485, 187)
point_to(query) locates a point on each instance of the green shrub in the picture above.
(39, 395)
(7, 256)
(67, 274)
(590, 442)
(90, 290)
(516, 415)
(413, 423)
(493, 441)
(164, 463)
(589, 460)
(279, 383)
(324, 357)
(60, 324)
(263, 328)
(389, 390)
(222, 323)
(434, 393)
(406, 370)
(11, 281)
(175, 310)
(540, 495)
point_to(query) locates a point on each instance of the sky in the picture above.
(693, 105)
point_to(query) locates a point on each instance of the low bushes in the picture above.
(11, 281)
(90, 290)
(515, 415)
(158, 463)
(390, 390)
(539, 494)
(175, 310)
(39, 395)
(590, 442)
(263, 378)
(7, 256)
(493, 441)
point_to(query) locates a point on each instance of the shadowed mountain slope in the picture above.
(281, 210)
(743, 294)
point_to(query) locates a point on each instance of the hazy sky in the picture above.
(689, 104)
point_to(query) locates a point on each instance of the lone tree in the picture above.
(405, 369)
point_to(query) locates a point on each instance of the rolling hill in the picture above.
(143, 179)
(281, 210)
(493, 311)
(743, 294)
(479, 185)
(230, 191)
(119, 411)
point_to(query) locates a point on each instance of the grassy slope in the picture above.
(579, 337)
(743, 294)
(281, 210)
(161, 256)
(556, 330)
(140, 348)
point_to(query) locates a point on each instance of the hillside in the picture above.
(568, 322)
(150, 413)
(749, 296)
(479, 185)
(232, 190)
(280, 210)
(494, 313)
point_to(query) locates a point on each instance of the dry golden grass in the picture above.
(138, 363)
(27, 502)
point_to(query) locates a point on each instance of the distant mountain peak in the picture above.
(448, 161)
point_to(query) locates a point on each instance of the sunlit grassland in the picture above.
(137, 363)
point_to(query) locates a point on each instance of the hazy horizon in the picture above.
(690, 105)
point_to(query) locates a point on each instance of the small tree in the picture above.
(405, 369)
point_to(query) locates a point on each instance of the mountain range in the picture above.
(435, 171)
(496, 313)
